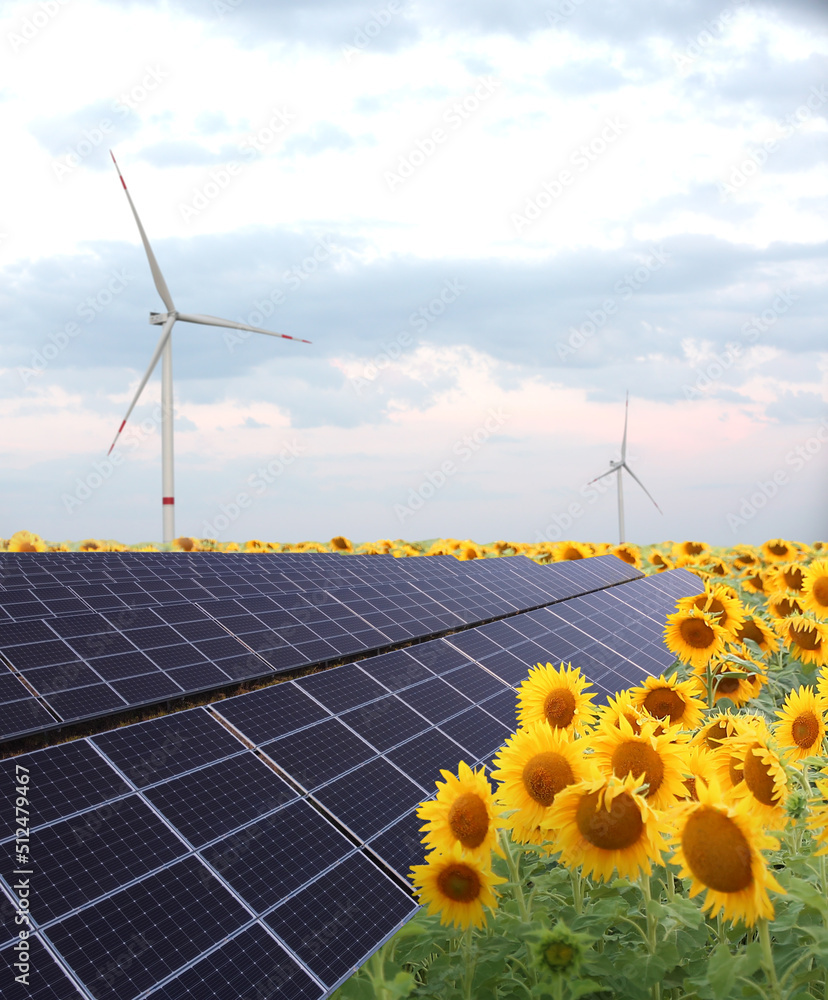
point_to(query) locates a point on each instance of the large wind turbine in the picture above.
(163, 350)
(616, 467)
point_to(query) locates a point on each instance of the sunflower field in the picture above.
(669, 844)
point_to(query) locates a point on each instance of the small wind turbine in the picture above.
(163, 350)
(616, 467)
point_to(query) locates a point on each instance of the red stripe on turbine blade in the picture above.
(123, 425)
(167, 499)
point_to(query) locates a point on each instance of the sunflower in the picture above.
(456, 887)
(468, 550)
(91, 545)
(801, 728)
(184, 544)
(697, 764)
(341, 544)
(620, 706)
(661, 561)
(532, 767)
(717, 845)
(556, 696)
(818, 819)
(744, 555)
(814, 595)
(603, 826)
(764, 781)
(254, 545)
(656, 760)
(787, 576)
(694, 636)
(782, 604)
(572, 550)
(753, 580)
(670, 699)
(739, 690)
(719, 729)
(806, 638)
(717, 600)
(759, 631)
(26, 541)
(777, 550)
(463, 812)
(629, 553)
(689, 549)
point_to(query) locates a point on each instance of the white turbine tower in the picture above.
(616, 467)
(163, 350)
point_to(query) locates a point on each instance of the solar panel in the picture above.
(205, 804)
(331, 939)
(248, 856)
(147, 627)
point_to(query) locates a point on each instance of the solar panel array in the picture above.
(258, 847)
(87, 636)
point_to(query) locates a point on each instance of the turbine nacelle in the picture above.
(159, 319)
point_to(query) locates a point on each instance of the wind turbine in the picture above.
(616, 467)
(163, 350)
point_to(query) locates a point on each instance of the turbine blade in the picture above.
(643, 487)
(159, 347)
(158, 277)
(609, 472)
(233, 325)
(624, 439)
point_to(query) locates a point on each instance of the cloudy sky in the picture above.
(492, 221)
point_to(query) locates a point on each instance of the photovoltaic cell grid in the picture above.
(171, 850)
(145, 628)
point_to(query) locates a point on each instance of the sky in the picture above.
(492, 221)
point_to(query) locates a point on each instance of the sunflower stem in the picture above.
(577, 891)
(514, 874)
(468, 955)
(767, 954)
(669, 884)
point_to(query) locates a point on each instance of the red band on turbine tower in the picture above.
(167, 499)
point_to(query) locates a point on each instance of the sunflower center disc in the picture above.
(665, 702)
(697, 633)
(805, 730)
(750, 630)
(727, 685)
(806, 638)
(715, 734)
(559, 708)
(545, 774)
(820, 591)
(611, 829)
(460, 883)
(793, 578)
(717, 851)
(692, 548)
(637, 759)
(759, 779)
(469, 819)
(736, 774)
